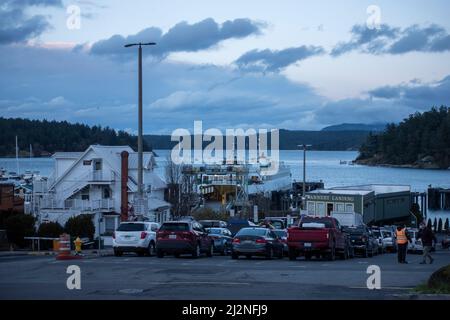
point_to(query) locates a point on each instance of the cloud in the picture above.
(275, 60)
(181, 37)
(391, 40)
(16, 26)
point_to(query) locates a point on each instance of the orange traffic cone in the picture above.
(64, 252)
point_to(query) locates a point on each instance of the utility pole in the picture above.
(140, 138)
(304, 146)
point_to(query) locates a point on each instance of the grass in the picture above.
(437, 284)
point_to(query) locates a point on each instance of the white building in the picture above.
(90, 182)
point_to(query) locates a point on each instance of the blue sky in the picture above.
(272, 64)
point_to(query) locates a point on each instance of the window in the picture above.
(175, 227)
(110, 225)
(340, 207)
(106, 193)
(320, 209)
(349, 207)
(130, 227)
(98, 164)
(311, 207)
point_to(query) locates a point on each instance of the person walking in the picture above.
(428, 237)
(402, 243)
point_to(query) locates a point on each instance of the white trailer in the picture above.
(348, 219)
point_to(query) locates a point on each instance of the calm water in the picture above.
(321, 165)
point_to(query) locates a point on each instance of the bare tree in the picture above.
(180, 189)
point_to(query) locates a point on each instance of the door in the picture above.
(329, 209)
(97, 166)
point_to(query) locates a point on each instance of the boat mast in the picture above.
(17, 156)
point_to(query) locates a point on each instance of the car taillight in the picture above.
(364, 239)
(236, 240)
(261, 241)
(328, 235)
(143, 234)
(114, 235)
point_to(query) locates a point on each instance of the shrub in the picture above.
(19, 226)
(80, 226)
(209, 214)
(50, 230)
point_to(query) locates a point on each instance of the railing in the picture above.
(77, 204)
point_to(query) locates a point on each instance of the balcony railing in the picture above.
(77, 204)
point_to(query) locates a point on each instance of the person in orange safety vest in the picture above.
(402, 243)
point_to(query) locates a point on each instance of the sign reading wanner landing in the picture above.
(248, 146)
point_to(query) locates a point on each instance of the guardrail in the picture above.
(38, 239)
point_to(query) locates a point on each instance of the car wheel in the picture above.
(160, 253)
(151, 249)
(140, 253)
(196, 253)
(280, 254)
(210, 251)
(269, 254)
(117, 253)
(176, 255)
(332, 255)
(234, 256)
(370, 253)
(248, 256)
(292, 254)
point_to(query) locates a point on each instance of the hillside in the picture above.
(47, 137)
(420, 141)
(356, 127)
(320, 140)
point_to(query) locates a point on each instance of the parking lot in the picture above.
(219, 277)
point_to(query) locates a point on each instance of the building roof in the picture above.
(341, 191)
(155, 203)
(67, 155)
(148, 160)
(378, 188)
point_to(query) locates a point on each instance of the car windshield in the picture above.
(215, 231)
(327, 222)
(352, 230)
(376, 233)
(131, 227)
(280, 233)
(175, 227)
(277, 224)
(387, 234)
(252, 232)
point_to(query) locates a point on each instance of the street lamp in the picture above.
(304, 146)
(140, 143)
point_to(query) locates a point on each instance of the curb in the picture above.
(42, 253)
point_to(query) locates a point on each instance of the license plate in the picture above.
(307, 245)
(248, 241)
(172, 236)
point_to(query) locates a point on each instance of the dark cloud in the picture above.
(363, 36)
(16, 26)
(182, 37)
(390, 40)
(274, 60)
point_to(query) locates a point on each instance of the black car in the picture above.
(362, 240)
(257, 241)
(213, 223)
(222, 239)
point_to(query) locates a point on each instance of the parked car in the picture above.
(235, 224)
(139, 237)
(361, 240)
(277, 223)
(389, 240)
(415, 245)
(282, 235)
(320, 236)
(445, 242)
(378, 235)
(183, 237)
(222, 239)
(213, 223)
(256, 241)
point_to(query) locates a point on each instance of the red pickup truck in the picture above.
(319, 236)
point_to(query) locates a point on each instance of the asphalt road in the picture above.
(132, 277)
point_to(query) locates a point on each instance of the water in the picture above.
(321, 165)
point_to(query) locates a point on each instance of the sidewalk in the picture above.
(92, 253)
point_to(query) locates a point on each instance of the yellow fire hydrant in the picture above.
(78, 243)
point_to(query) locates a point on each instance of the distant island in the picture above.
(420, 141)
(48, 137)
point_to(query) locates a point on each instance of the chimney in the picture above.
(123, 186)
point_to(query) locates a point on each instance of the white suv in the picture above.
(139, 237)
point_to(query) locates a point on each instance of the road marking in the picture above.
(384, 288)
(200, 283)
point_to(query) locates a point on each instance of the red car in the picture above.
(319, 236)
(183, 237)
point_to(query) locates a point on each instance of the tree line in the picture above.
(422, 140)
(47, 137)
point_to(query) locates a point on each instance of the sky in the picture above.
(299, 65)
